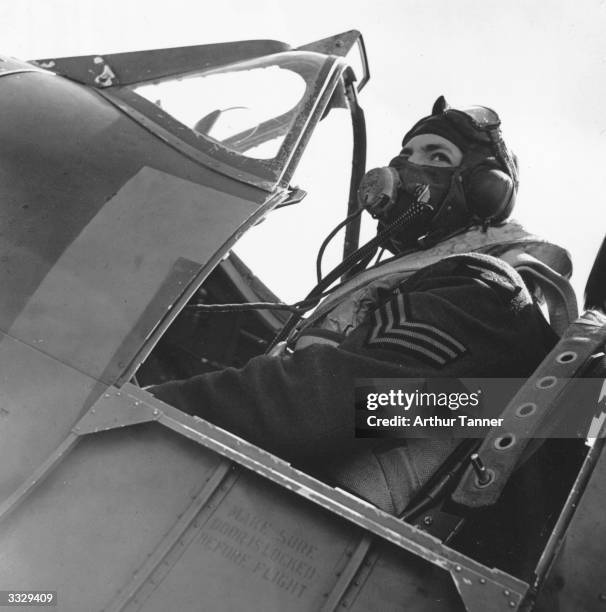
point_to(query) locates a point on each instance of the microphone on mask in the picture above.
(378, 192)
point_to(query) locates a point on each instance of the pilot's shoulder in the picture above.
(473, 263)
(472, 274)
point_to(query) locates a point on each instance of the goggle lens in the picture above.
(480, 117)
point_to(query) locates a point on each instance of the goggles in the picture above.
(473, 119)
(476, 124)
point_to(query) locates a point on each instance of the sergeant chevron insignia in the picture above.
(394, 330)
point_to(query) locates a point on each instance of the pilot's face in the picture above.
(432, 150)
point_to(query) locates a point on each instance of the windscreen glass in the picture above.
(233, 108)
(255, 109)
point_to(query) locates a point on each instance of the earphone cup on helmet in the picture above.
(490, 194)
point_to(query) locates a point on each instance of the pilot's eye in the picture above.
(441, 158)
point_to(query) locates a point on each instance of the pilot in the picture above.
(443, 306)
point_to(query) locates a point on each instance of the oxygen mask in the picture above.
(389, 192)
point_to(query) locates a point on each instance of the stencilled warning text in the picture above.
(277, 556)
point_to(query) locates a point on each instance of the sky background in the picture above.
(540, 64)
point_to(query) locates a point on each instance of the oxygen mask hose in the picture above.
(330, 236)
(378, 194)
(418, 211)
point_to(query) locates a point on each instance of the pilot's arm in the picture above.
(450, 322)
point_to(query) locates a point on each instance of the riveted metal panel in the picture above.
(40, 399)
(97, 517)
(261, 549)
(394, 580)
(99, 288)
(147, 509)
(156, 64)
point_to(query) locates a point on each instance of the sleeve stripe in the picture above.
(405, 330)
(392, 329)
(410, 347)
(381, 336)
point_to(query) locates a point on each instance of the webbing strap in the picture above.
(530, 411)
(559, 295)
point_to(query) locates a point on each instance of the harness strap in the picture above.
(531, 411)
(559, 295)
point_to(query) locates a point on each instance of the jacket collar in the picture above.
(496, 241)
